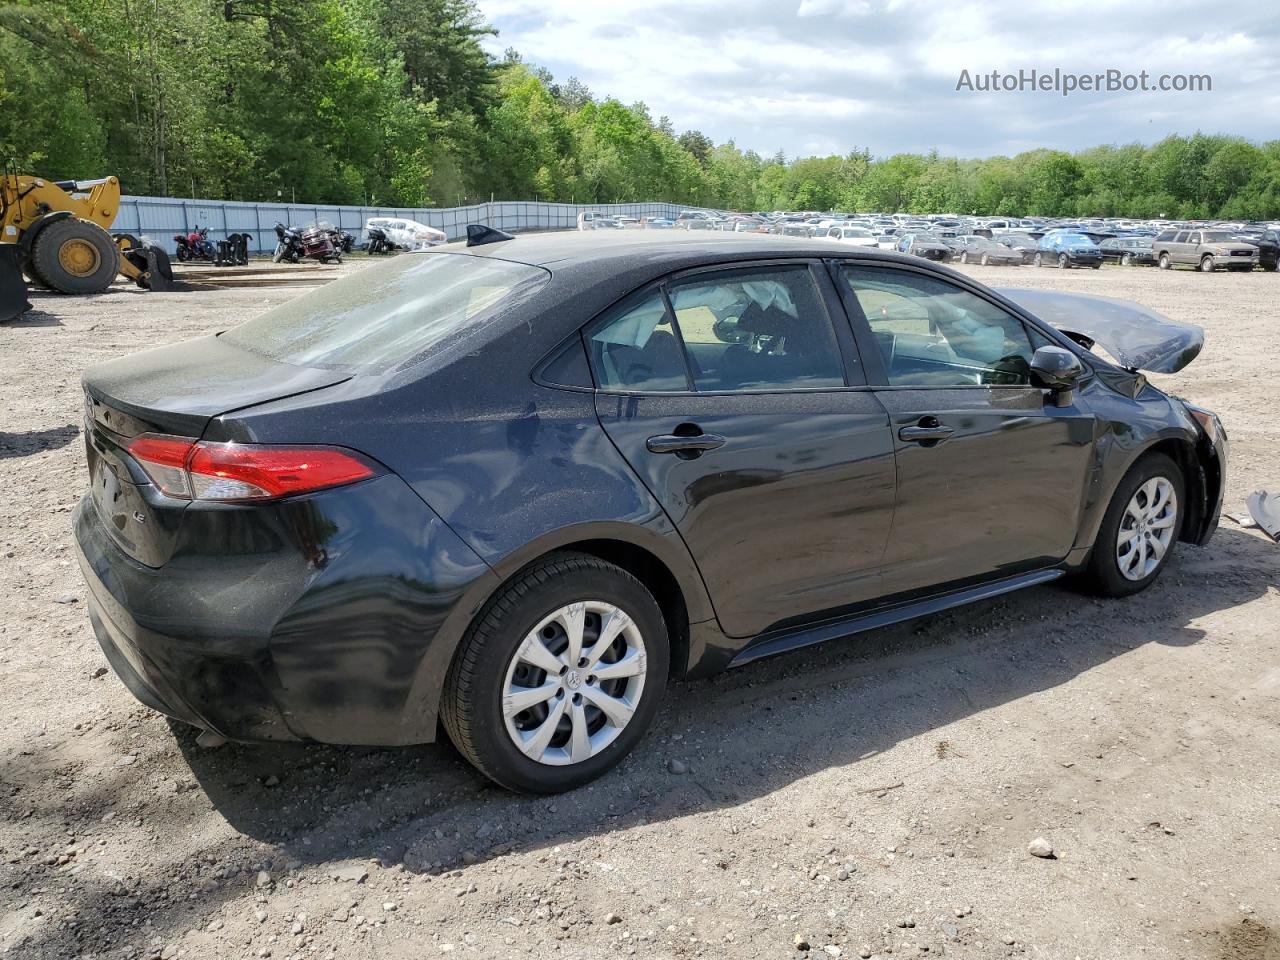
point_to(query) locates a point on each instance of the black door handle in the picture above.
(928, 430)
(677, 444)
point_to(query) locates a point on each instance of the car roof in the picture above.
(564, 251)
(631, 257)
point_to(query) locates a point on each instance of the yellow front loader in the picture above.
(55, 231)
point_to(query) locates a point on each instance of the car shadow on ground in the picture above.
(742, 734)
(28, 442)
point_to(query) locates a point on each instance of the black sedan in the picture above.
(515, 487)
(1128, 251)
(988, 252)
(926, 245)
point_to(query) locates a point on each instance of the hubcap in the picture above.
(1146, 530)
(79, 258)
(574, 683)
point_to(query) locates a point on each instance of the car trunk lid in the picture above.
(175, 390)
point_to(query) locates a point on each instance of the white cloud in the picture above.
(832, 75)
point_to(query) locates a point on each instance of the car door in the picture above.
(745, 411)
(991, 477)
(1183, 248)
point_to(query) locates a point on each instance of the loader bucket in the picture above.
(159, 271)
(13, 286)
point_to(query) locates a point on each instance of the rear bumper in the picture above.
(224, 685)
(332, 617)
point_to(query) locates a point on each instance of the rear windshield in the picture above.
(386, 315)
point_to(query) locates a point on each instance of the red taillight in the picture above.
(239, 471)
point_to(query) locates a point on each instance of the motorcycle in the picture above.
(195, 245)
(342, 241)
(318, 242)
(378, 242)
(288, 244)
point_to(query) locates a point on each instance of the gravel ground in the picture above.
(874, 796)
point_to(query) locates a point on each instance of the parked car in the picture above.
(924, 245)
(988, 252)
(587, 219)
(1068, 249)
(793, 229)
(1025, 244)
(406, 234)
(549, 474)
(1207, 250)
(849, 233)
(1268, 244)
(1128, 251)
(658, 223)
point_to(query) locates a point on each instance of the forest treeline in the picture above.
(396, 102)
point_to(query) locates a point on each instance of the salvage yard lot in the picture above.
(870, 795)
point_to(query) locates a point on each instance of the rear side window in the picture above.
(761, 329)
(387, 315)
(757, 330)
(636, 351)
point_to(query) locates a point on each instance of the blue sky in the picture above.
(825, 76)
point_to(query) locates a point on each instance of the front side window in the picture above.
(932, 333)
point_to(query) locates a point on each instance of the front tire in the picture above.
(1062, 261)
(532, 700)
(1126, 260)
(1206, 264)
(1039, 262)
(75, 256)
(1139, 530)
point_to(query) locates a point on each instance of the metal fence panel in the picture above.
(160, 218)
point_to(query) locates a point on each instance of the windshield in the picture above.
(386, 315)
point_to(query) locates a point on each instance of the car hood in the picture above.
(1139, 338)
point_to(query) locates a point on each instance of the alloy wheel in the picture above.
(1147, 528)
(574, 683)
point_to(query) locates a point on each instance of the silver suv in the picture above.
(1205, 249)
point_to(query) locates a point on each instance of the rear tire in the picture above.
(1165, 262)
(75, 256)
(477, 700)
(1104, 574)
(1038, 261)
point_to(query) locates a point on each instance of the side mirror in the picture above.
(1058, 370)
